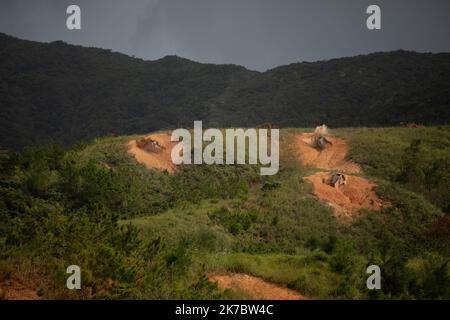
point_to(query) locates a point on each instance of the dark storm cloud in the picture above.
(258, 34)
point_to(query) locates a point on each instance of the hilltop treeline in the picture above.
(63, 93)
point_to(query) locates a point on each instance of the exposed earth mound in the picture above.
(347, 199)
(255, 288)
(153, 151)
(346, 194)
(332, 157)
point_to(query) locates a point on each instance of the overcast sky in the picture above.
(259, 34)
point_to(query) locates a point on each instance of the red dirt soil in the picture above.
(154, 160)
(11, 289)
(348, 199)
(330, 158)
(255, 288)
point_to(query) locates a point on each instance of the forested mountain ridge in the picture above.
(64, 93)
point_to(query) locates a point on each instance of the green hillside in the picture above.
(139, 233)
(63, 93)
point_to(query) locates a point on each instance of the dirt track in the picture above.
(255, 288)
(161, 160)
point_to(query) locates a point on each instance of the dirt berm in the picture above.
(333, 157)
(154, 160)
(346, 199)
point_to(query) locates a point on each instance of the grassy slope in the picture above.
(283, 234)
(208, 219)
(380, 150)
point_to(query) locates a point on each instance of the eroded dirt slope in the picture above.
(255, 288)
(347, 199)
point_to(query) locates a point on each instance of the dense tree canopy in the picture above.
(64, 93)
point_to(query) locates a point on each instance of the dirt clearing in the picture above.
(255, 288)
(346, 200)
(333, 157)
(160, 160)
